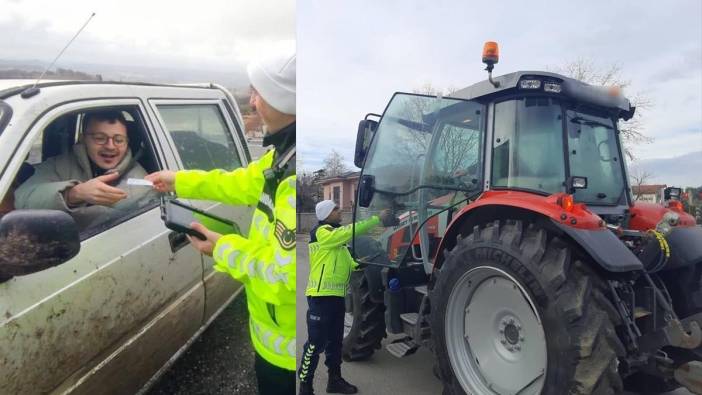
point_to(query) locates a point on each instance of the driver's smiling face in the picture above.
(110, 153)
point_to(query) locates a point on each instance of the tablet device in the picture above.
(178, 216)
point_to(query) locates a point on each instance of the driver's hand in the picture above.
(95, 191)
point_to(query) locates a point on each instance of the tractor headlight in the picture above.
(669, 220)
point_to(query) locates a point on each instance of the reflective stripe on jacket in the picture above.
(265, 260)
(330, 260)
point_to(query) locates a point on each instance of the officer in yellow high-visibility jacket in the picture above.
(330, 270)
(265, 260)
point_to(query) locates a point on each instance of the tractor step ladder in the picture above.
(402, 347)
(410, 318)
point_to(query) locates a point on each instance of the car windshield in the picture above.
(593, 153)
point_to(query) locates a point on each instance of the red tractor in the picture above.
(519, 256)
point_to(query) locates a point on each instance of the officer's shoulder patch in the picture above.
(285, 236)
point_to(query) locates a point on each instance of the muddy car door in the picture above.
(108, 319)
(207, 134)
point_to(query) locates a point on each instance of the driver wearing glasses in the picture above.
(90, 181)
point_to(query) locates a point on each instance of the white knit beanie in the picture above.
(274, 79)
(323, 209)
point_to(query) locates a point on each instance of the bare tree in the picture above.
(334, 164)
(309, 191)
(632, 131)
(639, 177)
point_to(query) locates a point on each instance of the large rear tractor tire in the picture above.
(513, 311)
(364, 326)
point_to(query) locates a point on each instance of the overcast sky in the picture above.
(217, 35)
(354, 55)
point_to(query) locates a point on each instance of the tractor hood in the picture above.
(645, 216)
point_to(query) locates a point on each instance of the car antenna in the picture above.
(29, 92)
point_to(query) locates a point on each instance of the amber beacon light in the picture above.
(491, 55)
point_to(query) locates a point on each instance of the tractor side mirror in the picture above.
(576, 182)
(34, 240)
(366, 189)
(672, 193)
(366, 130)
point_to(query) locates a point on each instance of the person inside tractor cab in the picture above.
(90, 181)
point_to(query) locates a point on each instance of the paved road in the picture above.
(219, 362)
(383, 373)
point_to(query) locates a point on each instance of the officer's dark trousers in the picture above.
(273, 380)
(325, 331)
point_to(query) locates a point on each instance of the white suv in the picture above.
(104, 309)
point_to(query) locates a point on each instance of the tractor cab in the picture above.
(534, 132)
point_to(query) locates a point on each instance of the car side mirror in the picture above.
(366, 189)
(366, 130)
(34, 240)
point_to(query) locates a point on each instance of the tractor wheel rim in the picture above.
(494, 336)
(348, 323)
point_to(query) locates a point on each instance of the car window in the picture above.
(59, 158)
(201, 136)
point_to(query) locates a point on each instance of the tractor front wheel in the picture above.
(513, 312)
(364, 323)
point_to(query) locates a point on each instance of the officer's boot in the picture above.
(306, 388)
(337, 385)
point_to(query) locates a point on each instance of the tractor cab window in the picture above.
(528, 145)
(426, 156)
(593, 153)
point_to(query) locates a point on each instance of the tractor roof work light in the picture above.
(552, 87)
(530, 84)
(491, 55)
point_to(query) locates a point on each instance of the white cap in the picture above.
(274, 79)
(324, 208)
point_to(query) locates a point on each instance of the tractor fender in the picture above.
(581, 226)
(605, 248)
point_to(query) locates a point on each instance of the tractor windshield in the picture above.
(593, 153)
(425, 157)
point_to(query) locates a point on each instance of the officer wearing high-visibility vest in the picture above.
(265, 260)
(330, 269)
